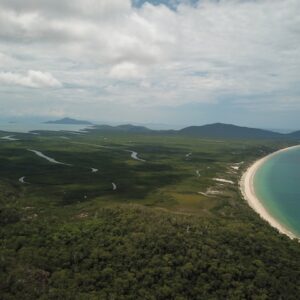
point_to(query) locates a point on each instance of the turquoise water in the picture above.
(277, 185)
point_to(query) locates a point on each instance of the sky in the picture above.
(177, 62)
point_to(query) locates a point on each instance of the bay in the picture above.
(277, 185)
(27, 127)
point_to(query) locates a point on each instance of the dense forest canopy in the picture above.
(168, 231)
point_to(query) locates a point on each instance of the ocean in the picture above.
(27, 127)
(277, 185)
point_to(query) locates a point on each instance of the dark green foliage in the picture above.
(68, 235)
(138, 253)
(8, 216)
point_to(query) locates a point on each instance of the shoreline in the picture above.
(247, 188)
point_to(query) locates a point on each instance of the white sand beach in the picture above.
(247, 189)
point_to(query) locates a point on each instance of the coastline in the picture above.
(248, 192)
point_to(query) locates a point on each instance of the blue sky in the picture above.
(172, 62)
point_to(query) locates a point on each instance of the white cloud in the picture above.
(78, 8)
(105, 49)
(33, 79)
(6, 60)
(125, 71)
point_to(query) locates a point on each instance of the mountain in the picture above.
(133, 128)
(219, 130)
(216, 130)
(69, 121)
(124, 128)
(295, 134)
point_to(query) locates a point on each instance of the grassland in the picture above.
(169, 230)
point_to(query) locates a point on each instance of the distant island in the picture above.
(69, 121)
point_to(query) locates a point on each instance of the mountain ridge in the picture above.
(222, 130)
(69, 121)
(214, 130)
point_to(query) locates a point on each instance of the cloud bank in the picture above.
(33, 79)
(233, 52)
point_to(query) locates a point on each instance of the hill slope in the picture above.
(219, 130)
(133, 128)
(295, 134)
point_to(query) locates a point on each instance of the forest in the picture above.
(169, 230)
